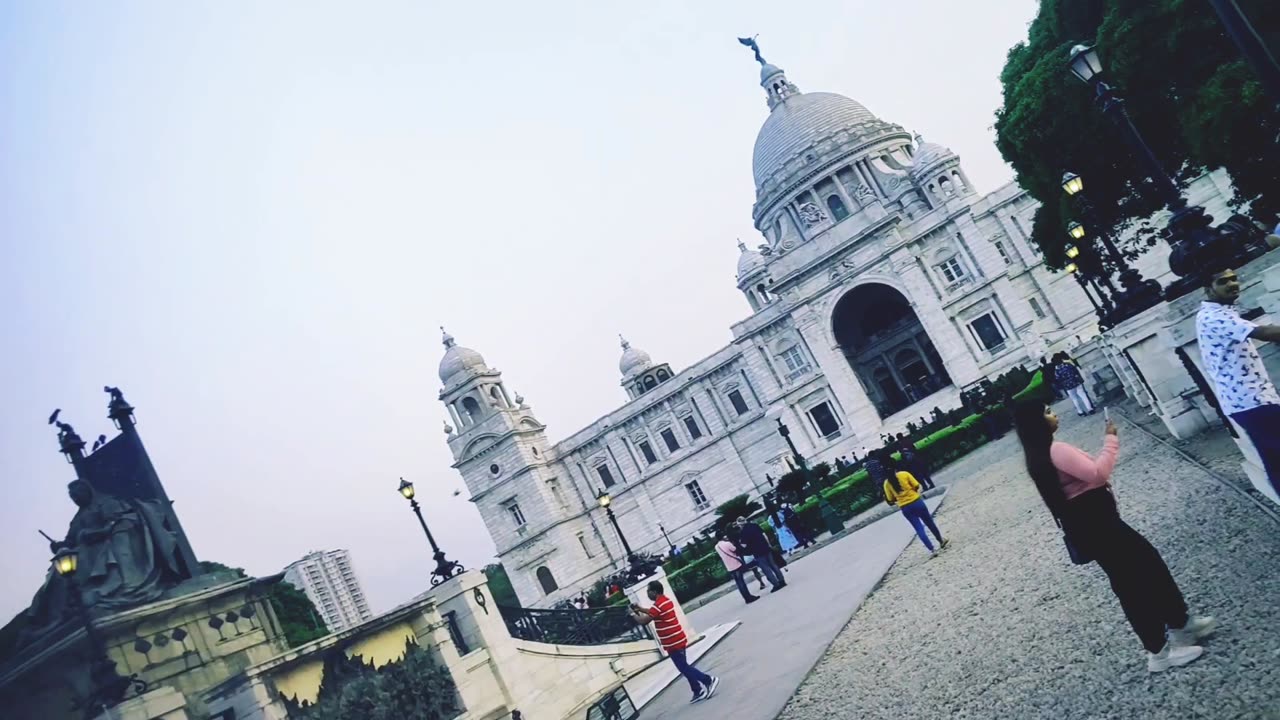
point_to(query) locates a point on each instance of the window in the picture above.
(472, 408)
(583, 542)
(669, 437)
(646, 450)
(694, 431)
(824, 420)
(987, 331)
(663, 376)
(837, 208)
(1035, 307)
(1004, 255)
(650, 383)
(606, 477)
(951, 269)
(699, 499)
(554, 485)
(794, 360)
(547, 580)
(739, 405)
(517, 516)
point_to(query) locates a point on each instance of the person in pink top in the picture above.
(734, 564)
(1077, 490)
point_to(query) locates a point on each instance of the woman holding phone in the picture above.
(1077, 490)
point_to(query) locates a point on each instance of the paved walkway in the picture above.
(1003, 626)
(783, 635)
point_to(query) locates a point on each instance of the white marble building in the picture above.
(885, 286)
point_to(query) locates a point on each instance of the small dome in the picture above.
(768, 70)
(929, 155)
(749, 262)
(458, 359)
(634, 361)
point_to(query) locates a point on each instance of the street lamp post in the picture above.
(665, 536)
(444, 569)
(785, 432)
(107, 687)
(1139, 293)
(1196, 247)
(639, 567)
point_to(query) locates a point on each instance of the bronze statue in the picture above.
(128, 556)
(751, 43)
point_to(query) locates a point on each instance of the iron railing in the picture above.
(616, 705)
(593, 626)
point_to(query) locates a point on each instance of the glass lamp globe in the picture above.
(1076, 230)
(604, 499)
(64, 563)
(406, 489)
(1073, 252)
(1072, 183)
(1084, 63)
(1071, 268)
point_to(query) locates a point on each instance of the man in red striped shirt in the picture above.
(673, 640)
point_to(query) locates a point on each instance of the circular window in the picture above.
(494, 469)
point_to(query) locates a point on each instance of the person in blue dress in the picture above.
(786, 539)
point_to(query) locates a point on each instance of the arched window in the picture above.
(471, 408)
(945, 185)
(763, 293)
(650, 382)
(547, 580)
(497, 397)
(663, 376)
(837, 208)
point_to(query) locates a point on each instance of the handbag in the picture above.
(1078, 556)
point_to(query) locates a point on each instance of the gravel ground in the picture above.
(1003, 626)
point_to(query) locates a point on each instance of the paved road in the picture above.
(782, 636)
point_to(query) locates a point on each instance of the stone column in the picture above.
(639, 594)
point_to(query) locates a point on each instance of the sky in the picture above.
(254, 217)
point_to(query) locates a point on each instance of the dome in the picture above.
(768, 70)
(749, 262)
(928, 155)
(633, 361)
(458, 359)
(798, 123)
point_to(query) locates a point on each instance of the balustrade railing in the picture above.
(593, 626)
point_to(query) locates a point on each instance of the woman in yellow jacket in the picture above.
(902, 489)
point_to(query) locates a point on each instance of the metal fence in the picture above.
(593, 626)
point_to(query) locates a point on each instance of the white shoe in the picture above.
(1171, 656)
(1196, 628)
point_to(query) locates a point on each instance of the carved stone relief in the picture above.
(811, 214)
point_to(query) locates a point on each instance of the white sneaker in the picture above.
(1171, 656)
(1196, 628)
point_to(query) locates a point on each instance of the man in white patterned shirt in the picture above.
(1235, 368)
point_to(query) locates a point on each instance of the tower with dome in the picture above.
(884, 285)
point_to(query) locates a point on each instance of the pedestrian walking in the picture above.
(902, 489)
(798, 527)
(736, 566)
(913, 463)
(1068, 379)
(786, 539)
(1245, 392)
(755, 542)
(672, 638)
(1077, 490)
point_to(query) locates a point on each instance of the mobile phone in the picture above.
(1106, 414)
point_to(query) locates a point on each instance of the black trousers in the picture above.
(1139, 577)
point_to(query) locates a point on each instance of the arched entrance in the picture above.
(887, 347)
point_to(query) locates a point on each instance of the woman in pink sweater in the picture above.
(1077, 490)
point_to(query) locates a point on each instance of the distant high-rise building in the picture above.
(329, 580)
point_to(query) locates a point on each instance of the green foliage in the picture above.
(1187, 90)
(698, 577)
(412, 687)
(298, 617)
(500, 585)
(741, 506)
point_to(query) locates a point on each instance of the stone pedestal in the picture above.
(163, 703)
(639, 594)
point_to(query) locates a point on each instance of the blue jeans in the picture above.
(697, 679)
(917, 513)
(1262, 425)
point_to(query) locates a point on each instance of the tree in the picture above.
(737, 507)
(413, 687)
(500, 585)
(1185, 86)
(297, 615)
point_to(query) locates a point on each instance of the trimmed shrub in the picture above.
(698, 577)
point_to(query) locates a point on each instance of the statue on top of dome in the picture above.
(751, 43)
